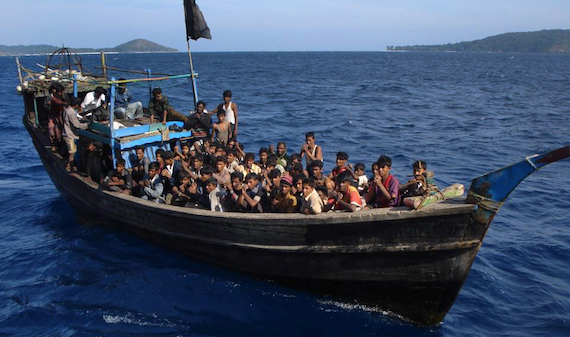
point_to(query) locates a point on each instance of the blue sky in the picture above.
(265, 25)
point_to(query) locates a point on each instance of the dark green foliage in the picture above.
(139, 45)
(544, 41)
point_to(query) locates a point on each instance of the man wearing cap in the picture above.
(284, 202)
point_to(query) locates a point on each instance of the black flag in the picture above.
(196, 26)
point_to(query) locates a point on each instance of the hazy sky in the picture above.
(270, 25)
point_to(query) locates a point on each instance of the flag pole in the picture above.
(194, 88)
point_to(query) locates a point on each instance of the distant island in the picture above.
(544, 41)
(134, 46)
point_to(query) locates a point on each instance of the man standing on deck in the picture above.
(124, 105)
(231, 111)
(71, 127)
(160, 107)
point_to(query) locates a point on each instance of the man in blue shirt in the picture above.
(124, 105)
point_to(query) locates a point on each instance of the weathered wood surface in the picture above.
(410, 262)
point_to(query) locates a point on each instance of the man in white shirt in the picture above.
(94, 102)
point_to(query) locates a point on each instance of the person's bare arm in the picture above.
(235, 109)
(318, 153)
(214, 130)
(164, 114)
(347, 206)
(383, 190)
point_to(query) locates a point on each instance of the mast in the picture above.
(194, 87)
(196, 28)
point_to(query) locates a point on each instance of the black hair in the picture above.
(227, 93)
(297, 177)
(309, 181)
(139, 148)
(123, 83)
(237, 175)
(323, 189)
(384, 161)
(156, 91)
(185, 144)
(295, 156)
(159, 152)
(251, 176)
(262, 150)
(297, 167)
(100, 90)
(274, 174)
(232, 151)
(73, 101)
(221, 112)
(344, 176)
(183, 174)
(271, 160)
(249, 155)
(310, 135)
(199, 157)
(167, 155)
(207, 169)
(120, 161)
(153, 166)
(318, 163)
(201, 102)
(222, 159)
(418, 164)
(359, 166)
(212, 181)
(342, 155)
(279, 143)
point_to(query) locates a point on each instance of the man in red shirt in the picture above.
(348, 198)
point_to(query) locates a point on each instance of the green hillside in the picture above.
(134, 46)
(544, 41)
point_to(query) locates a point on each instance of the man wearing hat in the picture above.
(284, 202)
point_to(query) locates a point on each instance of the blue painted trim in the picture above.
(75, 85)
(112, 118)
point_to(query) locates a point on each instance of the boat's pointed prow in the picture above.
(490, 190)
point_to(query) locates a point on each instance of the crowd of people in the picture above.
(213, 171)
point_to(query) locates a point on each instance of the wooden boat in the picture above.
(411, 263)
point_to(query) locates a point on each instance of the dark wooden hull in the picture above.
(411, 263)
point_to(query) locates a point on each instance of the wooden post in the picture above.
(20, 71)
(148, 74)
(103, 65)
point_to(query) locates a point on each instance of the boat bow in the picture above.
(490, 190)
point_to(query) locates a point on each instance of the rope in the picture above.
(528, 159)
(131, 71)
(486, 203)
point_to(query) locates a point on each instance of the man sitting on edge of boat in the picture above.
(159, 107)
(125, 107)
(119, 179)
(384, 189)
(153, 185)
(347, 198)
(139, 164)
(170, 172)
(312, 202)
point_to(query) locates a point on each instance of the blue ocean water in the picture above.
(466, 114)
